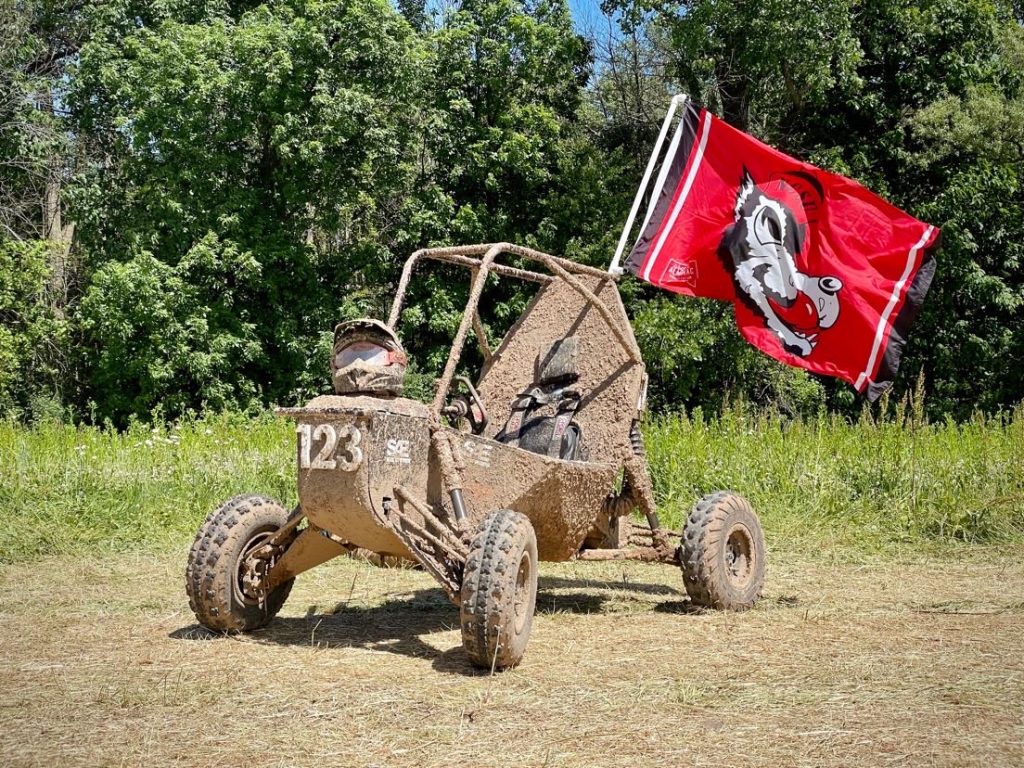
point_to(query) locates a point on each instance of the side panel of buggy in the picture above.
(559, 498)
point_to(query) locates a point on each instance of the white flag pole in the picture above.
(614, 268)
(663, 174)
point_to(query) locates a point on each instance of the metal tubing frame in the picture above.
(563, 269)
(454, 543)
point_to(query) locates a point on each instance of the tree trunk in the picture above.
(59, 234)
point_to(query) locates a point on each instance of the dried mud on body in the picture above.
(915, 662)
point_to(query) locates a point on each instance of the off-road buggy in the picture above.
(540, 459)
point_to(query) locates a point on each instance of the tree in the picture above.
(274, 139)
(760, 64)
(173, 336)
(192, 192)
(36, 157)
(498, 128)
(32, 337)
(504, 85)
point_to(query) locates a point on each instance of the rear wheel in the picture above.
(499, 590)
(722, 554)
(222, 577)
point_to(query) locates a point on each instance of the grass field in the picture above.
(903, 662)
(889, 633)
(892, 479)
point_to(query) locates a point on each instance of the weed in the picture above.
(69, 489)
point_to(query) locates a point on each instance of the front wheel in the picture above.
(722, 554)
(499, 590)
(221, 579)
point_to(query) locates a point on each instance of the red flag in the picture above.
(823, 274)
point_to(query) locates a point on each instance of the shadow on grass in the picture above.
(556, 582)
(398, 625)
(594, 596)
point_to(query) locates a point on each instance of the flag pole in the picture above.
(614, 269)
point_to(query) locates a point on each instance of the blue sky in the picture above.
(588, 18)
(584, 10)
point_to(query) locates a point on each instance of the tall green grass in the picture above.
(894, 478)
(66, 489)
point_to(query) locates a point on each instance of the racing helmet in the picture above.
(367, 358)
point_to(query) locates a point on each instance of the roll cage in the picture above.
(481, 260)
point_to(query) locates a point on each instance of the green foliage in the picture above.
(253, 164)
(759, 63)
(975, 312)
(174, 336)
(70, 489)
(322, 142)
(888, 477)
(31, 335)
(32, 145)
(504, 80)
(242, 175)
(503, 83)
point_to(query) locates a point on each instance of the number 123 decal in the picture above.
(330, 456)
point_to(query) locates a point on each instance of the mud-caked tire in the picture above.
(214, 578)
(722, 553)
(499, 590)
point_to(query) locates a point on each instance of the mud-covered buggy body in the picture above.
(540, 459)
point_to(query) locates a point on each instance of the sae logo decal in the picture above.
(397, 452)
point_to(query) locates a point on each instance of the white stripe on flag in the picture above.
(884, 322)
(656, 251)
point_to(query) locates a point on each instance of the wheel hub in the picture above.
(522, 596)
(253, 566)
(739, 555)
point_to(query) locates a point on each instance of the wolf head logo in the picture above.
(763, 249)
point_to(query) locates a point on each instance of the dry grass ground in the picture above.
(886, 663)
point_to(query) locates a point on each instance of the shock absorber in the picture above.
(637, 440)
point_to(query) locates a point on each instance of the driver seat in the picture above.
(543, 417)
